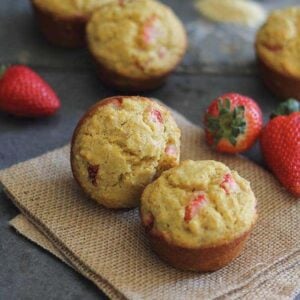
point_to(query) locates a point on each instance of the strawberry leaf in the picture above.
(286, 108)
(2, 70)
(229, 124)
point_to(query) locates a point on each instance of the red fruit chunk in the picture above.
(193, 207)
(156, 116)
(93, 171)
(148, 220)
(228, 184)
(171, 150)
(116, 103)
(162, 52)
(150, 31)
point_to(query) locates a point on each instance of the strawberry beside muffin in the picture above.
(278, 52)
(135, 44)
(120, 145)
(63, 21)
(198, 215)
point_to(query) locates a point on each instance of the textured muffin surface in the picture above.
(121, 146)
(278, 41)
(70, 8)
(199, 204)
(137, 39)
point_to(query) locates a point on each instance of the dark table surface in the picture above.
(220, 59)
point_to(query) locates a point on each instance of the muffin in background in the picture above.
(278, 52)
(63, 22)
(120, 145)
(135, 44)
(198, 215)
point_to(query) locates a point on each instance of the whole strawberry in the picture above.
(24, 93)
(280, 145)
(232, 122)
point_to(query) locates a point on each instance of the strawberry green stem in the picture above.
(2, 70)
(286, 108)
(229, 124)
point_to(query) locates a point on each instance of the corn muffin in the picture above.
(63, 22)
(278, 52)
(135, 44)
(198, 215)
(120, 145)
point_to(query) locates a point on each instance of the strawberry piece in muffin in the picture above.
(148, 220)
(228, 184)
(193, 207)
(117, 103)
(150, 31)
(156, 116)
(171, 150)
(93, 172)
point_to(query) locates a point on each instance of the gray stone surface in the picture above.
(26, 271)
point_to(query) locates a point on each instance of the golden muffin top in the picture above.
(199, 204)
(136, 38)
(278, 41)
(122, 146)
(70, 8)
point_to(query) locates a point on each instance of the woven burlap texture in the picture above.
(110, 248)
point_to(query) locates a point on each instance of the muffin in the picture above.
(135, 44)
(63, 22)
(198, 215)
(278, 52)
(120, 145)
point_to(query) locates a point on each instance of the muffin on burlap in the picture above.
(278, 52)
(120, 145)
(63, 21)
(198, 215)
(135, 44)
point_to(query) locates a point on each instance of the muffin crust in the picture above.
(120, 146)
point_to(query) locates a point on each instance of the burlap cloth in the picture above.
(110, 249)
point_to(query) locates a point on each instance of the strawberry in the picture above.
(232, 122)
(171, 150)
(93, 172)
(280, 145)
(156, 116)
(228, 184)
(193, 207)
(150, 31)
(24, 93)
(148, 220)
